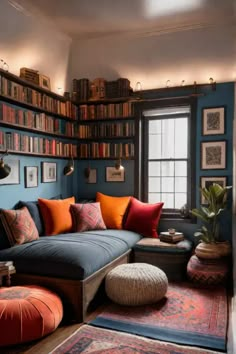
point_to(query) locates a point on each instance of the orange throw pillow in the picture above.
(113, 209)
(56, 215)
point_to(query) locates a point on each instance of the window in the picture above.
(166, 157)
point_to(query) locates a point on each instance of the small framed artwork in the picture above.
(44, 82)
(213, 121)
(206, 182)
(14, 176)
(115, 175)
(49, 172)
(31, 176)
(213, 155)
(92, 178)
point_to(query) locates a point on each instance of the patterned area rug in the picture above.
(187, 315)
(94, 340)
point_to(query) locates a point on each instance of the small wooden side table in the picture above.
(6, 273)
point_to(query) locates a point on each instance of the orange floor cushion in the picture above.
(27, 313)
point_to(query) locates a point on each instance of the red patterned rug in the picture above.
(187, 315)
(94, 340)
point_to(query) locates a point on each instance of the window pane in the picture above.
(154, 168)
(168, 127)
(167, 168)
(155, 127)
(181, 168)
(154, 198)
(181, 138)
(180, 184)
(167, 184)
(154, 147)
(168, 200)
(154, 184)
(180, 200)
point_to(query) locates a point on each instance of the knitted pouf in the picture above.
(136, 284)
(27, 313)
(207, 271)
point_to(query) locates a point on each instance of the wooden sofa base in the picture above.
(75, 294)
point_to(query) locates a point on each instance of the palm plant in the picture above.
(216, 202)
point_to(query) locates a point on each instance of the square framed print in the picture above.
(49, 172)
(115, 175)
(92, 178)
(213, 155)
(206, 182)
(213, 121)
(31, 176)
(14, 176)
(44, 82)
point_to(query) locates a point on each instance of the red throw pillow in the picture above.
(143, 217)
(86, 217)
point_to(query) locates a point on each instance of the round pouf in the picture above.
(28, 313)
(136, 284)
(207, 271)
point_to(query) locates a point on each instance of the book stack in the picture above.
(171, 238)
(6, 266)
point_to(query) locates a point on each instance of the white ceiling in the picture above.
(98, 18)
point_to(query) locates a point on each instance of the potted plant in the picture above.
(216, 202)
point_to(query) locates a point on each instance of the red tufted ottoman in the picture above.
(28, 313)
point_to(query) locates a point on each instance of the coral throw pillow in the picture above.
(87, 217)
(143, 217)
(113, 209)
(19, 226)
(56, 215)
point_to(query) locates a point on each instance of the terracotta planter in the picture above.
(208, 250)
(224, 248)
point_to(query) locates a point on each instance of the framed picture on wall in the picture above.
(14, 176)
(114, 175)
(49, 172)
(92, 178)
(213, 121)
(213, 155)
(31, 176)
(206, 182)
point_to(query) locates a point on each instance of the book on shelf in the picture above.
(171, 238)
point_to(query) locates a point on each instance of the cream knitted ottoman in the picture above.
(136, 284)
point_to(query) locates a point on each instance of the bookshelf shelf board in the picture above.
(36, 131)
(101, 120)
(107, 158)
(105, 138)
(12, 152)
(104, 101)
(35, 108)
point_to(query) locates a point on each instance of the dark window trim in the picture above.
(141, 154)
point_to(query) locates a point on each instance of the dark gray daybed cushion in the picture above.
(70, 256)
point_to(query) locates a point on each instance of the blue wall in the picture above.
(76, 184)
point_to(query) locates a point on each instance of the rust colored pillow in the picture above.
(143, 218)
(113, 209)
(19, 226)
(86, 217)
(56, 215)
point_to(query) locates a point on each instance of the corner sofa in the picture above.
(73, 264)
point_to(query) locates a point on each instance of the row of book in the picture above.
(35, 120)
(37, 98)
(104, 111)
(6, 266)
(106, 150)
(34, 144)
(108, 130)
(171, 237)
(84, 89)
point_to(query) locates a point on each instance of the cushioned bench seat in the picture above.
(70, 256)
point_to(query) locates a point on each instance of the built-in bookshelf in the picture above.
(32, 109)
(106, 130)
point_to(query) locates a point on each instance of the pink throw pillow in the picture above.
(19, 226)
(143, 218)
(86, 217)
